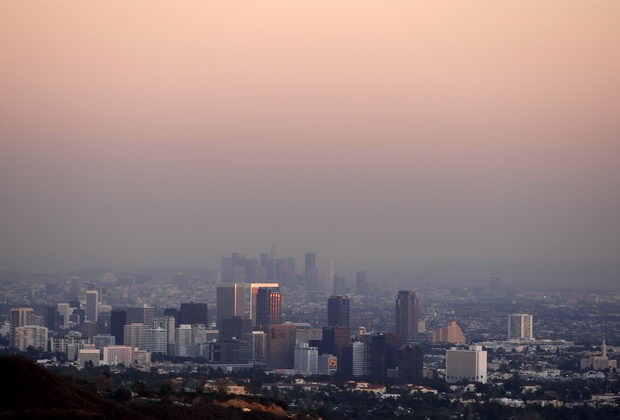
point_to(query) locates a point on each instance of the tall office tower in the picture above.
(156, 340)
(183, 341)
(411, 362)
(75, 287)
(20, 317)
(230, 302)
(252, 270)
(360, 359)
(340, 285)
(306, 359)
(280, 345)
(268, 307)
(451, 333)
(141, 315)
(64, 311)
(92, 302)
(337, 341)
(469, 365)
(31, 336)
(226, 269)
(520, 326)
(134, 335)
(338, 311)
(88, 329)
(118, 319)
(174, 313)
(235, 327)
(253, 292)
(286, 271)
(328, 278)
(257, 342)
(383, 353)
(167, 323)
(194, 313)
(51, 317)
(361, 284)
(407, 315)
(311, 273)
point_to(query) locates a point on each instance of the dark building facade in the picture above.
(337, 341)
(141, 315)
(411, 362)
(235, 327)
(194, 313)
(268, 307)
(280, 346)
(383, 353)
(338, 311)
(51, 318)
(118, 320)
(407, 315)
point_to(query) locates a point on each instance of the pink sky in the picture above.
(386, 133)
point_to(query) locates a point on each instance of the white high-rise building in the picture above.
(116, 355)
(31, 336)
(520, 326)
(360, 366)
(64, 309)
(92, 302)
(134, 335)
(156, 340)
(469, 365)
(306, 359)
(183, 341)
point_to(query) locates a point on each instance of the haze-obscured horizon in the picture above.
(385, 136)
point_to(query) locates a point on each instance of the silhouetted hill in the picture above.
(31, 391)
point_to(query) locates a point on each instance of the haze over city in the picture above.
(388, 136)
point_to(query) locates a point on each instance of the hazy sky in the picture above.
(381, 134)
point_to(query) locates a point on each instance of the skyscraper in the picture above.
(141, 314)
(337, 341)
(92, 302)
(268, 307)
(235, 327)
(280, 346)
(134, 335)
(520, 326)
(51, 317)
(360, 359)
(20, 317)
(306, 359)
(311, 273)
(338, 311)
(361, 283)
(410, 362)
(230, 302)
(194, 313)
(252, 297)
(407, 315)
(118, 319)
(156, 340)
